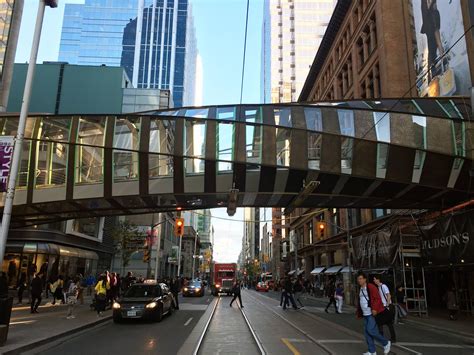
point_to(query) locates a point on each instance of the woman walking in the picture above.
(71, 294)
(339, 294)
(101, 294)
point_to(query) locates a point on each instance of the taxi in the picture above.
(147, 300)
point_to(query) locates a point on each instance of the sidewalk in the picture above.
(31, 330)
(464, 326)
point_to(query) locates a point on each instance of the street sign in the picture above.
(6, 152)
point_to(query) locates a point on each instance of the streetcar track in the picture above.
(306, 334)
(247, 322)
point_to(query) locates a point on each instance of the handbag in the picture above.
(100, 297)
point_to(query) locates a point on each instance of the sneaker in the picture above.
(68, 317)
(302, 307)
(386, 348)
(369, 353)
(279, 305)
(73, 316)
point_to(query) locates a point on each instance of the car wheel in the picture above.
(159, 315)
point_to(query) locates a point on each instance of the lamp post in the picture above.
(194, 253)
(15, 163)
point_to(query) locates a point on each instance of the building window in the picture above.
(126, 144)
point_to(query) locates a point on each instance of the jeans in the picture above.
(236, 295)
(35, 302)
(297, 298)
(332, 300)
(372, 333)
(339, 302)
(289, 298)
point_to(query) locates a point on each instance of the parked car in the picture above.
(262, 286)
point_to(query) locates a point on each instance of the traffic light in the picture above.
(179, 227)
(321, 229)
(146, 255)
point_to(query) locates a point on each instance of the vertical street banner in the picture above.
(375, 250)
(439, 26)
(6, 153)
(173, 257)
(449, 239)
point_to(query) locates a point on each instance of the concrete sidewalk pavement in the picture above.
(31, 330)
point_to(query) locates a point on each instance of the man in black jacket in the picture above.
(236, 292)
(36, 291)
(330, 293)
(175, 288)
(288, 287)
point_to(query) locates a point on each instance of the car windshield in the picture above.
(137, 291)
(195, 284)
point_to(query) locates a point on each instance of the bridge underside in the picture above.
(363, 155)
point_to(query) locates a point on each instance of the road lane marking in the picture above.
(23, 322)
(345, 341)
(188, 321)
(435, 345)
(290, 346)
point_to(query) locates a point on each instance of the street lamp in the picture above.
(15, 164)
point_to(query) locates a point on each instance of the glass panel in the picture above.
(253, 142)
(382, 157)
(283, 139)
(346, 155)
(226, 113)
(283, 116)
(458, 129)
(10, 127)
(314, 119)
(419, 128)
(382, 126)
(418, 165)
(194, 146)
(89, 155)
(225, 142)
(51, 157)
(346, 122)
(253, 115)
(22, 180)
(161, 142)
(314, 150)
(450, 109)
(197, 113)
(126, 136)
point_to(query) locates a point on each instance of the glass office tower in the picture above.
(292, 33)
(149, 38)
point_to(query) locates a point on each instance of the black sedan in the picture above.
(194, 288)
(148, 300)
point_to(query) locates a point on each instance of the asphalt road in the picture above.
(137, 337)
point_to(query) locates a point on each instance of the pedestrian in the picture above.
(236, 292)
(72, 295)
(3, 285)
(101, 289)
(288, 288)
(21, 287)
(35, 291)
(401, 306)
(339, 295)
(90, 282)
(175, 288)
(298, 290)
(385, 317)
(452, 304)
(370, 304)
(57, 289)
(330, 293)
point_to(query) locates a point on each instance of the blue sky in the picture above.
(220, 29)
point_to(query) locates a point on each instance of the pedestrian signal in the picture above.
(321, 229)
(179, 227)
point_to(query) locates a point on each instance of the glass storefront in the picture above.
(49, 259)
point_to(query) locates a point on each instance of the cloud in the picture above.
(227, 235)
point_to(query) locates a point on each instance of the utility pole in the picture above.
(15, 164)
(194, 253)
(158, 244)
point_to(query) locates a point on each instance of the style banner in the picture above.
(6, 153)
(375, 250)
(449, 240)
(173, 257)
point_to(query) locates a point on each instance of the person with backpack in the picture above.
(288, 289)
(385, 317)
(72, 294)
(330, 293)
(101, 289)
(370, 304)
(298, 290)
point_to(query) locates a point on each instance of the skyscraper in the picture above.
(154, 40)
(292, 33)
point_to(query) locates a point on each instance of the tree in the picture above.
(125, 234)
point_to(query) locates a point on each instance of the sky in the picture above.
(220, 29)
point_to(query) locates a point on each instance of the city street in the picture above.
(269, 330)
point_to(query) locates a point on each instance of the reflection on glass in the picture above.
(126, 136)
(382, 126)
(253, 144)
(197, 112)
(22, 180)
(458, 132)
(418, 165)
(161, 143)
(314, 150)
(253, 115)
(194, 146)
(225, 141)
(382, 158)
(419, 130)
(346, 154)
(450, 108)
(226, 113)
(283, 116)
(51, 157)
(89, 155)
(283, 139)
(314, 119)
(346, 122)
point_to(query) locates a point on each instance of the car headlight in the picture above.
(185, 289)
(151, 305)
(116, 305)
(198, 289)
(218, 285)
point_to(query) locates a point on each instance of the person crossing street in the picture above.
(236, 292)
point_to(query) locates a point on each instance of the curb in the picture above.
(53, 338)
